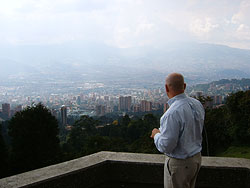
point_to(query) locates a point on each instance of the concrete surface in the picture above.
(128, 170)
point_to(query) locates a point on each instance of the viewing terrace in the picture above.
(128, 170)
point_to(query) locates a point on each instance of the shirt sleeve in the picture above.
(167, 139)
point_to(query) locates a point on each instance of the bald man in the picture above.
(180, 135)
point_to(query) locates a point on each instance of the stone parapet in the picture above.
(130, 170)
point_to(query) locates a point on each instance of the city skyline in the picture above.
(117, 101)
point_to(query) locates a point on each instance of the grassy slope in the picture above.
(239, 152)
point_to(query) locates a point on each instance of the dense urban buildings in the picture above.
(97, 99)
(98, 104)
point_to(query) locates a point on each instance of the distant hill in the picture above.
(221, 87)
(199, 63)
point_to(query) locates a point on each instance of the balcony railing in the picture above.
(128, 170)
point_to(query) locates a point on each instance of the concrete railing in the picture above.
(111, 169)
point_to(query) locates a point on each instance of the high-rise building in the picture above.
(78, 100)
(146, 106)
(125, 103)
(103, 110)
(6, 110)
(64, 115)
(136, 108)
(100, 110)
(143, 105)
(121, 106)
(128, 102)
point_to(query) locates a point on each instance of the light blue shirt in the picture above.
(181, 128)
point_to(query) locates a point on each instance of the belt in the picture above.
(199, 153)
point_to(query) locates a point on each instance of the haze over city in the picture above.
(115, 46)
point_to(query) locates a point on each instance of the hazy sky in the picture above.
(125, 23)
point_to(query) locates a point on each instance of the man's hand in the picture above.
(154, 132)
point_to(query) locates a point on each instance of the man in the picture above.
(180, 135)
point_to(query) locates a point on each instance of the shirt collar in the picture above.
(175, 98)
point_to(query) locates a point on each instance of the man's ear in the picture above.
(166, 87)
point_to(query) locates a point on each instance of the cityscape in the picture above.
(98, 99)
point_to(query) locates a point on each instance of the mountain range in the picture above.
(199, 63)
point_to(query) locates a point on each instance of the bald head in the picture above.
(175, 83)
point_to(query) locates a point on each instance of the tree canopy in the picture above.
(239, 112)
(3, 155)
(34, 138)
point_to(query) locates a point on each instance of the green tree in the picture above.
(78, 136)
(103, 143)
(150, 122)
(86, 124)
(3, 156)
(239, 111)
(34, 138)
(136, 129)
(144, 144)
(216, 127)
(125, 120)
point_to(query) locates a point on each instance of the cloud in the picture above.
(243, 15)
(124, 23)
(243, 32)
(240, 21)
(201, 27)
